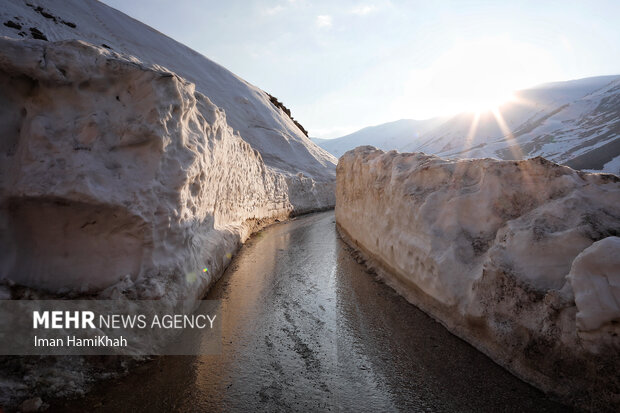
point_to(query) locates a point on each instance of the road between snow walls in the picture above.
(519, 258)
(119, 181)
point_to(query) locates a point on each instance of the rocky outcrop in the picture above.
(520, 258)
(115, 172)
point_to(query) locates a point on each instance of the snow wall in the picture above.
(118, 178)
(519, 258)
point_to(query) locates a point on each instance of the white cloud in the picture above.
(363, 10)
(273, 10)
(324, 21)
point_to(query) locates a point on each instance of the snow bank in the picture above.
(248, 109)
(117, 172)
(595, 278)
(485, 247)
(129, 163)
(119, 180)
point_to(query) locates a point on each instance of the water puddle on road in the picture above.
(306, 328)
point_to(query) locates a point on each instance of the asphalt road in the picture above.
(306, 328)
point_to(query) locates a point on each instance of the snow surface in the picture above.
(612, 166)
(145, 138)
(595, 278)
(485, 247)
(398, 135)
(113, 169)
(128, 164)
(576, 123)
(248, 109)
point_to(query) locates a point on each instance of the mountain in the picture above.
(393, 135)
(249, 111)
(576, 123)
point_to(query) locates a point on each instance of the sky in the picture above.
(344, 65)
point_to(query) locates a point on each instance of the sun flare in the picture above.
(476, 76)
(488, 102)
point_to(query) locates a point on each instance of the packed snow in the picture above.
(595, 279)
(113, 169)
(520, 258)
(576, 123)
(131, 167)
(248, 109)
(159, 152)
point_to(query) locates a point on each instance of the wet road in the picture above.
(306, 328)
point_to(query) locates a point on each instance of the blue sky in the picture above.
(343, 65)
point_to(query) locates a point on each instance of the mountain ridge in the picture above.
(574, 122)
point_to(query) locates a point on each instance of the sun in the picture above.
(476, 76)
(483, 74)
(488, 101)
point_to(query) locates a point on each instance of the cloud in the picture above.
(324, 21)
(273, 10)
(363, 10)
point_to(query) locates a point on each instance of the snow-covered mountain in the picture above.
(576, 123)
(248, 109)
(392, 135)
